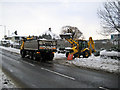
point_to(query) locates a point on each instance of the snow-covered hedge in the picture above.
(110, 53)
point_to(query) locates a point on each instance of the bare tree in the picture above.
(76, 33)
(110, 17)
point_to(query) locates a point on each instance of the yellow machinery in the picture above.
(79, 47)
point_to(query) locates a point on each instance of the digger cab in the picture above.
(82, 44)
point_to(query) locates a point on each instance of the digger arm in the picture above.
(69, 40)
(72, 41)
(75, 49)
(75, 42)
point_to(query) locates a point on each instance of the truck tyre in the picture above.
(35, 56)
(51, 57)
(23, 53)
(86, 54)
(31, 55)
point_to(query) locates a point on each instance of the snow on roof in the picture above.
(48, 32)
(42, 39)
(18, 36)
(46, 39)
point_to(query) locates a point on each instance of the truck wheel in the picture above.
(31, 55)
(35, 56)
(86, 54)
(23, 53)
(51, 57)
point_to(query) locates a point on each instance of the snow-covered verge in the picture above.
(93, 62)
(110, 53)
(10, 49)
(97, 63)
(5, 82)
(59, 55)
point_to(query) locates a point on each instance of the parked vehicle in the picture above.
(5, 43)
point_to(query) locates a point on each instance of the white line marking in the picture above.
(103, 88)
(58, 73)
(29, 63)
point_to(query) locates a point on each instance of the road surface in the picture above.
(31, 74)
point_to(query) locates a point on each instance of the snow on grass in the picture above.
(10, 49)
(110, 53)
(97, 63)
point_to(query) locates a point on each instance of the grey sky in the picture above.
(35, 16)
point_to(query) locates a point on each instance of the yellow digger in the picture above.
(79, 47)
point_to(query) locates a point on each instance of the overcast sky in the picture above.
(32, 17)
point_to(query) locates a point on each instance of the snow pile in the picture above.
(97, 63)
(109, 53)
(48, 32)
(59, 55)
(5, 82)
(11, 49)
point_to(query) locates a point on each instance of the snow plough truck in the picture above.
(38, 49)
(79, 47)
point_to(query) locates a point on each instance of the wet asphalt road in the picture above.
(31, 74)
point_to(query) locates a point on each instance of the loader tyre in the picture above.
(86, 54)
(35, 56)
(31, 55)
(67, 54)
(23, 53)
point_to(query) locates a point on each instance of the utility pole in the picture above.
(119, 24)
(8, 33)
(4, 29)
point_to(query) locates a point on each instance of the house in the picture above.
(115, 39)
(6, 41)
(13, 41)
(102, 44)
(16, 41)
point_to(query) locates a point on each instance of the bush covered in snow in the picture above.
(113, 54)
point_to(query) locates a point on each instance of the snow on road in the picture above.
(5, 82)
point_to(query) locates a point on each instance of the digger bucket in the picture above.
(65, 36)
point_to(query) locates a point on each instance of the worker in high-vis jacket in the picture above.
(91, 45)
